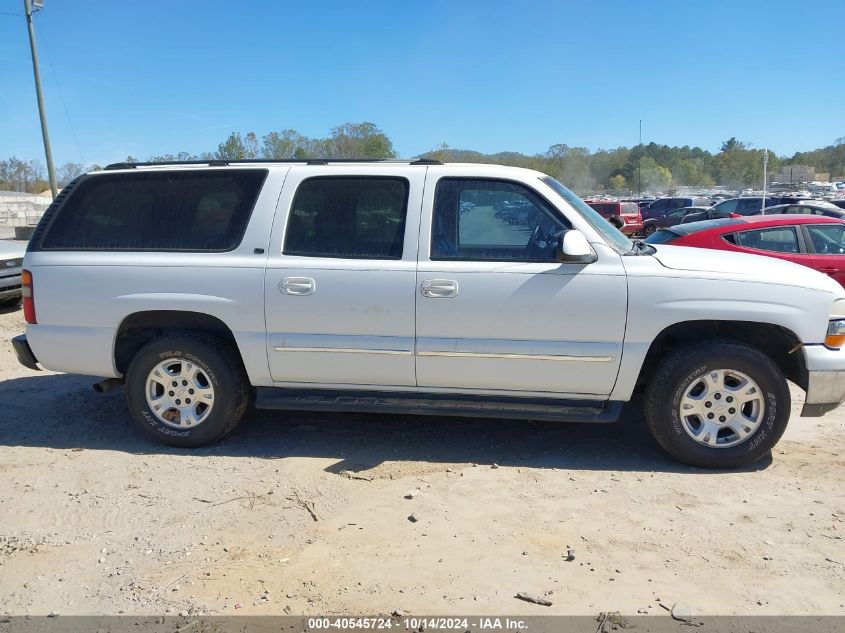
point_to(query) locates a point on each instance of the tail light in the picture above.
(28, 297)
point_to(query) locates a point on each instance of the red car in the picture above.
(628, 211)
(809, 240)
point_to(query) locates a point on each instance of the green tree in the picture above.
(732, 144)
(617, 182)
(654, 177)
(232, 148)
(359, 140)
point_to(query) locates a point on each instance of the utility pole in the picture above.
(640, 165)
(765, 165)
(51, 170)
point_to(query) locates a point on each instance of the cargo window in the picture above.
(348, 218)
(492, 220)
(191, 210)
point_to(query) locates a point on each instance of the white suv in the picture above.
(415, 287)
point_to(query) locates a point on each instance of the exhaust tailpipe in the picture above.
(109, 384)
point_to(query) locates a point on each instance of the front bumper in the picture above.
(10, 286)
(24, 352)
(825, 380)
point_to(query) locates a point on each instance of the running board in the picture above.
(548, 409)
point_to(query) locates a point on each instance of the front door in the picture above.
(828, 245)
(495, 311)
(339, 285)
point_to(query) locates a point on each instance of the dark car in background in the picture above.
(839, 203)
(661, 207)
(809, 207)
(670, 219)
(628, 212)
(749, 205)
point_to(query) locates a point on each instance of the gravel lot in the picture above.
(95, 519)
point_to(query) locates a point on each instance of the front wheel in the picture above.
(717, 405)
(187, 389)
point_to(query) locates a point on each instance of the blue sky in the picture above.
(160, 76)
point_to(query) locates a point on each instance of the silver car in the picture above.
(11, 262)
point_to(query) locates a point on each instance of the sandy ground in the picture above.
(95, 519)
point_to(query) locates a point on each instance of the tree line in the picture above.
(645, 167)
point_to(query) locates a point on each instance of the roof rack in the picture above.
(299, 161)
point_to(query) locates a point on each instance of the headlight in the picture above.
(836, 325)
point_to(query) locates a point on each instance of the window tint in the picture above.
(778, 240)
(827, 239)
(491, 220)
(191, 210)
(353, 218)
(662, 236)
(797, 209)
(728, 206)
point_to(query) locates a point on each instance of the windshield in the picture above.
(610, 233)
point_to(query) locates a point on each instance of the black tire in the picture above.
(649, 229)
(219, 362)
(681, 368)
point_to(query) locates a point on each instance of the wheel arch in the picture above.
(139, 328)
(779, 343)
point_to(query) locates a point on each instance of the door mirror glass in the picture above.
(573, 248)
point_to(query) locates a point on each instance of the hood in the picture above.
(744, 267)
(12, 250)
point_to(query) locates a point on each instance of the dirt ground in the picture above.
(96, 519)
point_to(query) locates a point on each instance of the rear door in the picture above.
(340, 277)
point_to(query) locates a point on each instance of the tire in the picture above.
(688, 378)
(649, 230)
(207, 365)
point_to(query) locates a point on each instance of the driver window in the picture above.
(492, 220)
(827, 239)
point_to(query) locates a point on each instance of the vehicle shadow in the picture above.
(63, 412)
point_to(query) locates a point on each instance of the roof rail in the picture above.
(249, 161)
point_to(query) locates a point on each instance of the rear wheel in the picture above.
(187, 389)
(649, 229)
(717, 405)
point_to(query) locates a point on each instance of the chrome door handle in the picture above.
(299, 286)
(439, 288)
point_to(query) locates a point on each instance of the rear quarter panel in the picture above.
(82, 297)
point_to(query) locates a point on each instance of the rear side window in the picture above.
(777, 240)
(348, 218)
(196, 210)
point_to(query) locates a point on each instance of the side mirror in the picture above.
(573, 248)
